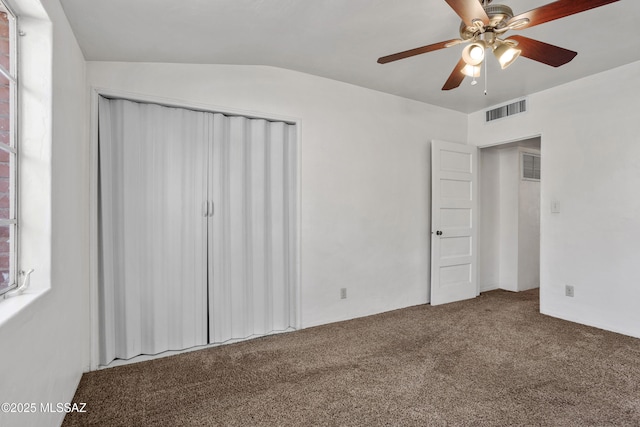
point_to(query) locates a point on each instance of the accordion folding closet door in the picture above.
(197, 228)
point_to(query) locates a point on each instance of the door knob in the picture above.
(439, 233)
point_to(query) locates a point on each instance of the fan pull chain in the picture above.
(485, 78)
(484, 6)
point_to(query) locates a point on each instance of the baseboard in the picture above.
(487, 288)
(589, 323)
(145, 357)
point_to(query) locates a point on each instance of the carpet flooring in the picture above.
(490, 361)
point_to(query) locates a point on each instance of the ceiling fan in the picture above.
(482, 26)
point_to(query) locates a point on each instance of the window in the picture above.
(8, 150)
(530, 167)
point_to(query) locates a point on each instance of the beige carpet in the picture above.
(491, 361)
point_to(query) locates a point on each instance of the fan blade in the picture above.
(543, 52)
(469, 10)
(558, 9)
(414, 52)
(456, 76)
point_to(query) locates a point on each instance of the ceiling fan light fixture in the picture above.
(506, 54)
(471, 70)
(473, 54)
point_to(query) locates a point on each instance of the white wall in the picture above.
(509, 211)
(489, 221)
(591, 166)
(365, 174)
(45, 345)
(528, 229)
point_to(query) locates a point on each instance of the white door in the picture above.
(454, 208)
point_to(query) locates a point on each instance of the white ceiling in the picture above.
(342, 40)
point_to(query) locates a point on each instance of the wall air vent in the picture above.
(506, 110)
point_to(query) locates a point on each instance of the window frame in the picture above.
(11, 76)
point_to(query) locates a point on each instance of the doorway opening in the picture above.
(509, 216)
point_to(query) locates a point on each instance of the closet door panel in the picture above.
(132, 288)
(153, 182)
(278, 228)
(237, 236)
(219, 290)
(291, 194)
(184, 192)
(250, 251)
(258, 199)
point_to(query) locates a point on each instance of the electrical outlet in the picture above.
(343, 293)
(568, 290)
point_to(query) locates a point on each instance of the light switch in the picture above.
(555, 206)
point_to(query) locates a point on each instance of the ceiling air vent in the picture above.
(506, 110)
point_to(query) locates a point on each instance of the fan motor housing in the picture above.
(499, 15)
